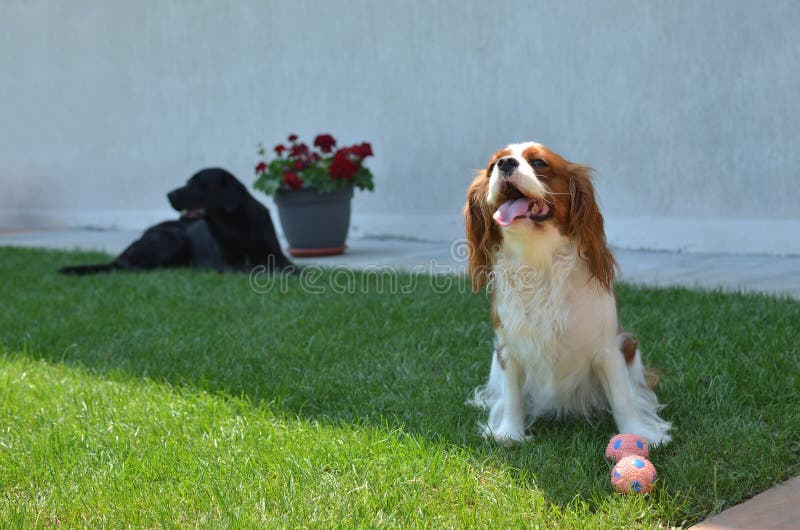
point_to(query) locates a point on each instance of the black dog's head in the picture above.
(209, 190)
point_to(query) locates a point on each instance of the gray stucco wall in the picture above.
(687, 109)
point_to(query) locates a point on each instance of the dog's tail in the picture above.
(81, 270)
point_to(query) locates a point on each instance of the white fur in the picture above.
(557, 351)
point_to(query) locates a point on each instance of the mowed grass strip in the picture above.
(187, 398)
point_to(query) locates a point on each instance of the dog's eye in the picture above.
(537, 162)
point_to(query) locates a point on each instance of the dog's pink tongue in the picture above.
(512, 209)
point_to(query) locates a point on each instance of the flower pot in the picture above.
(314, 223)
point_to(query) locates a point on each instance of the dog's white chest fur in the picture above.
(543, 331)
(531, 305)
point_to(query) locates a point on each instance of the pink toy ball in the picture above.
(633, 474)
(626, 444)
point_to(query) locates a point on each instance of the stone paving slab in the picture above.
(775, 509)
(768, 274)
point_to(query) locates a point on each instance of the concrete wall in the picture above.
(687, 109)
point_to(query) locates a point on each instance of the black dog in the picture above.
(234, 232)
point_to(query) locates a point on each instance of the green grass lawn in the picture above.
(184, 398)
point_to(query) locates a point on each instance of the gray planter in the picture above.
(315, 223)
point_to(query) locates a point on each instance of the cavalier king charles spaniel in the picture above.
(536, 241)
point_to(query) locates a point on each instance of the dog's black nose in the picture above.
(507, 165)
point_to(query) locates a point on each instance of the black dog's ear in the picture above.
(231, 195)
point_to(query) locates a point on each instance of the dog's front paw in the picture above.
(656, 433)
(659, 435)
(508, 434)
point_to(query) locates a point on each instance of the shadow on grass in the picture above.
(372, 356)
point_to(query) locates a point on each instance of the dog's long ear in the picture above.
(232, 193)
(483, 236)
(586, 226)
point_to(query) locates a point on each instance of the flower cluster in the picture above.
(321, 166)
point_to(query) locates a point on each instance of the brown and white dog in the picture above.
(536, 240)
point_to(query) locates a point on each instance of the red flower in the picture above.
(279, 149)
(299, 165)
(292, 180)
(292, 137)
(342, 166)
(298, 151)
(362, 151)
(325, 142)
(261, 167)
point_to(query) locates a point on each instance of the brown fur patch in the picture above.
(629, 345)
(586, 224)
(483, 236)
(628, 349)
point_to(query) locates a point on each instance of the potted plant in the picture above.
(313, 187)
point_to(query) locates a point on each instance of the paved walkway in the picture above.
(775, 509)
(766, 274)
